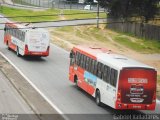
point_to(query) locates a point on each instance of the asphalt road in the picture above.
(10, 100)
(69, 23)
(50, 76)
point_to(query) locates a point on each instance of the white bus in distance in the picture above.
(26, 41)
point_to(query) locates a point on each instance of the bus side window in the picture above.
(19, 35)
(77, 59)
(87, 63)
(6, 29)
(108, 74)
(15, 33)
(9, 30)
(72, 57)
(23, 36)
(90, 65)
(113, 79)
(99, 73)
(71, 54)
(105, 73)
(81, 61)
(95, 68)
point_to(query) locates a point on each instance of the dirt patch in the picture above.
(80, 36)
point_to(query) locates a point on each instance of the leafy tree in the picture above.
(145, 9)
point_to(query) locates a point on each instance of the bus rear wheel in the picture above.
(8, 45)
(17, 52)
(98, 98)
(76, 81)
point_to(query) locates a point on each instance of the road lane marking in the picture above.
(32, 84)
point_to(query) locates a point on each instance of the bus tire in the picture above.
(98, 98)
(17, 52)
(76, 81)
(8, 45)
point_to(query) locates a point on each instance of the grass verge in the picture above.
(60, 14)
(139, 45)
(101, 35)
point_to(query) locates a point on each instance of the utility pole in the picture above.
(98, 14)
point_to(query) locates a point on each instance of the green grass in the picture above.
(22, 12)
(127, 40)
(139, 45)
(79, 16)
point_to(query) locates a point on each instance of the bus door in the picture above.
(137, 86)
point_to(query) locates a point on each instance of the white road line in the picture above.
(32, 84)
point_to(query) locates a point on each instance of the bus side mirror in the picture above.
(4, 29)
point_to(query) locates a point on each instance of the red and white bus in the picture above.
(115, 80)
(25, 41)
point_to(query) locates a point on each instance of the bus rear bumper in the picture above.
(43, 54)
(123, 106)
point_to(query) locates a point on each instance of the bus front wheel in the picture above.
(98, 98)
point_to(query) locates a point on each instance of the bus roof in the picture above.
(120, 61)
(22, 26)
(93, 51)
(110, 58)
(15, 25)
